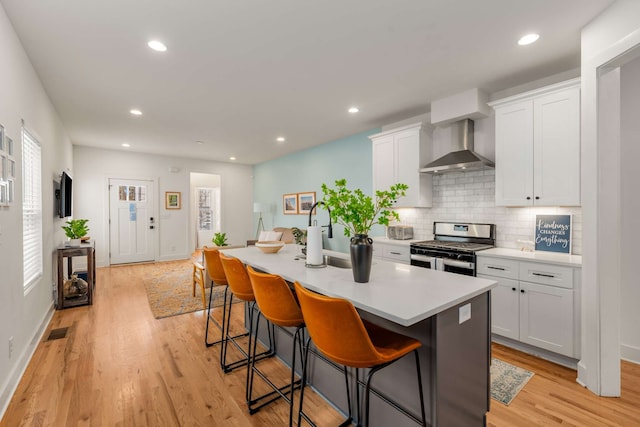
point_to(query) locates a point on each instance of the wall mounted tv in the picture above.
(64, 195)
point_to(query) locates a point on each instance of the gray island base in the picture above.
(456, 348)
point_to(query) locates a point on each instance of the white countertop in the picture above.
(400, 293)
(541, 256)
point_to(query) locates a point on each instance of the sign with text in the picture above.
(553, 233)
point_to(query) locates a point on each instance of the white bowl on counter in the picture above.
(270, 246)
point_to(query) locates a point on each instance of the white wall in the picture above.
(23, 316)
(630, 198)
(175, 240)
(607, 37)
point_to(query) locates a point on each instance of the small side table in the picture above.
(85, 250)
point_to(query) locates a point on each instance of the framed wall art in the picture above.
(553, 233)
(9, 145)
(172, 200)
(306, 201)
(290, 204)
(4, 193)
(4, 168)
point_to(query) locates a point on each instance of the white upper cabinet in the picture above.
(538, 147)
(398, 155)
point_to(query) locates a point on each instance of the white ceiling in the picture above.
(239, 73)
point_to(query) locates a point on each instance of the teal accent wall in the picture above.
(307, 170)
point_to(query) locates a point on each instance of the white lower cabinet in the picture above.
(391, 252)
(533, 303)
(546, 317)
(505, 308)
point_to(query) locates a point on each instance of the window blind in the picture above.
(31, 208)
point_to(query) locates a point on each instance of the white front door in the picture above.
(131, 220)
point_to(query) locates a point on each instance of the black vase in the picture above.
(361, 249)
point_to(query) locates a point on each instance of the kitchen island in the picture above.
(448, 313)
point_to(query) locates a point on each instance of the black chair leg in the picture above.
(211, 319)
(246, 359)
(424, 418)
(304, 377)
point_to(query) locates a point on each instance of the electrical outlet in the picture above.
(464, 313)
(10, 347)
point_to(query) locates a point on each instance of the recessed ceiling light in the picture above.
(353, 110)
(528, 39)
(280, 139)
(232, 158)
(136, 112)
(124, 144)
(157, 46)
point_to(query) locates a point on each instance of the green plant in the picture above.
(76, 228)
(300, 236)
(220, 239)
(358, 212)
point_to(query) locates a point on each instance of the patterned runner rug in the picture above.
(168, 286)
(507, 380)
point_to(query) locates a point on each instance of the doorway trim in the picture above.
(599, 368)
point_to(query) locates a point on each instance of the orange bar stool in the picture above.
(278, 305)
(341, 335)
(241, 288)
(214, 273)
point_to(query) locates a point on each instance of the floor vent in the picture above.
(56, 334)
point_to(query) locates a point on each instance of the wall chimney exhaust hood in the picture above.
(463, 159)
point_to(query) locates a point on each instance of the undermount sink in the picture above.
(337, 262)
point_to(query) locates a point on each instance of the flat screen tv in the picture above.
(65, 195)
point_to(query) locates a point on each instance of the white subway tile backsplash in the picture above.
(470, 197)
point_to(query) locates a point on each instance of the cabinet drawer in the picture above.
(546, 274)
(497, 267)
(397, 253)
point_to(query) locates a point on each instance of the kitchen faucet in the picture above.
(330, 228)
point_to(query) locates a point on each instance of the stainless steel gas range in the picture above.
(454, 247)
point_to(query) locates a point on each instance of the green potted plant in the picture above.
(300, 237)
(220, 239)
(358, 212)
(75, 229)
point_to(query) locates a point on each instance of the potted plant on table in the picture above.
(220, 239)
(75, 229)
(358, 212)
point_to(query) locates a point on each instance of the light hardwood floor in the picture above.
(118, 366)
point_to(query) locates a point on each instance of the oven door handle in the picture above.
(423, 258)
(459, 264)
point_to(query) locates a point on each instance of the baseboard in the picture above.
(582, 373)
(630, 353)
(17, 372)
(559, 359)
(173, 257)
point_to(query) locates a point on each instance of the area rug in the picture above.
(507, 380)
(169, 285)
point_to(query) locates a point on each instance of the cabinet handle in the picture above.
(513, 289)
(495, 268)
(528, 197)
(551, 276)
(537, 197)
(522, 291)
(395, 253)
